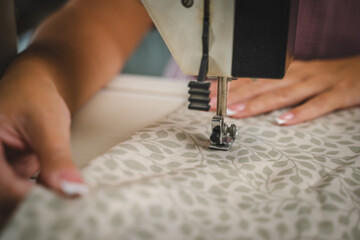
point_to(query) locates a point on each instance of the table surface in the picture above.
(126, 105)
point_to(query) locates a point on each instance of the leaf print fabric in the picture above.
(297, 182)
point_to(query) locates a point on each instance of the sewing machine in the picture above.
(226, 39)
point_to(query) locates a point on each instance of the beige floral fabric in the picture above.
(297, 182)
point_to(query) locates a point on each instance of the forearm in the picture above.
(81, 47)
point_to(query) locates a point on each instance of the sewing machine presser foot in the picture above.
(222, 136)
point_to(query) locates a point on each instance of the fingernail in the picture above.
(284, 118)
(213, 102)
(72, 183)
(73, 188)
(237, 107)
(230, 112)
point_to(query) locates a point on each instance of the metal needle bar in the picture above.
(222, 91)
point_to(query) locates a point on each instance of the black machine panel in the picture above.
(264, 35)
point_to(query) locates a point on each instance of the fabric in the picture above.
(297, 182)
(328, 29)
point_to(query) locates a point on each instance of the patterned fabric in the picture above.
(297, 182)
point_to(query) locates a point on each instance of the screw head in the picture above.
(233, 130)
(187, 3)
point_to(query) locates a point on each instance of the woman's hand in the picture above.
(34, 136)
(326, 85)
(74, 53)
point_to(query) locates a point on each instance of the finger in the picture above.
(213, 89)
(213, 102)
(238, 84)
(11, 138)
(25, 165)
(19, 157)
(261, 86)
(17, 154)
(349, 88)
(279, 98)
(51, 143)
(314, 108)
(244, 89)
(12, 188)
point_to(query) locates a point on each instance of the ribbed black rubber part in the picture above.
(199, 106)
(199, 91)
(199, 96)
(201, 85)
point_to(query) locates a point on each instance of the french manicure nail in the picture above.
(239, 107)
(284, 118)
(230, 112)
(73, 188)
(213, 102)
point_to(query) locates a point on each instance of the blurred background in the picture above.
(29, 13)
(151, 58)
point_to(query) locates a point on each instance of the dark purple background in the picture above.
(328, 29)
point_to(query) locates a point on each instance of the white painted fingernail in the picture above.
(230, 112)
(280, 121)
(284, 118)
(240, 107)
(73, 188)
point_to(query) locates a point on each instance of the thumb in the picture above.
(50, 141)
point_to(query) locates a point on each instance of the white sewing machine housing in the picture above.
(227, 39)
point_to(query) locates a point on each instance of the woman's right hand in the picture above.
(34, 137)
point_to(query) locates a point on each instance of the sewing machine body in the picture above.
(227, 39)
(248, 38)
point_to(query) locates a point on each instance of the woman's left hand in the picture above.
(326, 85)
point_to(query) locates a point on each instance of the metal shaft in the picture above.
(222, 91)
